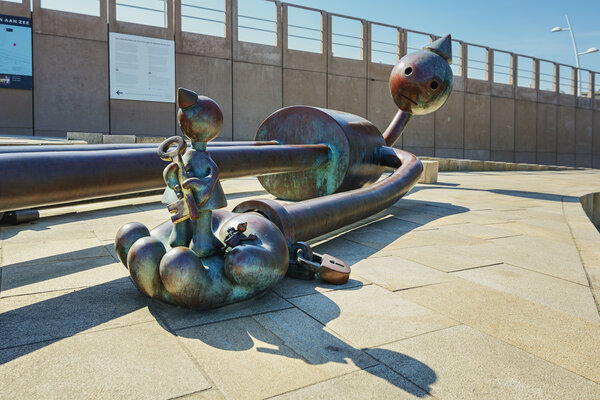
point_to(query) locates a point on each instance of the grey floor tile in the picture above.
(143, 361)
(371, 315)
(470, 365)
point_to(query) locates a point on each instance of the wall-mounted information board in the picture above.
(15, 52)
(142, 68)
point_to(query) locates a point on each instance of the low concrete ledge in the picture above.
(430, 171)
(88, 137)
(454, 165)
(118, 139)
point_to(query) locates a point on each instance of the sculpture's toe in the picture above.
(127, 236)
(143, 262)
(184, 277)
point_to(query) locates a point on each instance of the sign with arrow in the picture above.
(141, 68)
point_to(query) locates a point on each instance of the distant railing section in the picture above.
(152, 12)
(503, 72)
(205, 17)
(305, 30)
(477, 62)
(384, 44)
(258, 21)
(347, 38)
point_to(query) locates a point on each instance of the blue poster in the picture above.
(15, 52)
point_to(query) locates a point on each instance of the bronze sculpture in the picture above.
(204, 258)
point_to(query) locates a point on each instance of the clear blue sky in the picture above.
(517, 26)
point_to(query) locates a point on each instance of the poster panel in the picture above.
(141, 68)
(15, 52)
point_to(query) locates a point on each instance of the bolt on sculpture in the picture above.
(206, 257)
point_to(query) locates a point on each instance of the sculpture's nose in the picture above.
(186, 98)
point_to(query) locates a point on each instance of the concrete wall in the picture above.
(482, 119)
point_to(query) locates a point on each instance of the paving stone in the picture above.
(470, 365)
(179, 318)
(478, 231)
(445, 258)
(370, 315)
(426, 238)
(246, 361)
(378, 381)
(549, 257)
(559, 294)
(26, 278)
(520, 228)
(289, 287)
(210, 394)
(395, 273)
(314, 343)
(48, 229)
(350, 252)
(46, 251)
(373, 237)
(54, 315)
(549, 334)
(142, 361)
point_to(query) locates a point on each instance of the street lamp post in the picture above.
(577, 53)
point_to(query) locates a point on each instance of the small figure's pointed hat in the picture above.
(186, 98)
(442, 47)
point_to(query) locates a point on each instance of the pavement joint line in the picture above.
(470, 268)
(67, 290)
(87, 332)
(587, 275)
(408, 288)
(35, 262)
(504, 237)
(202, 324)
(165, 325)
(545, 274)
(183, 396)
(360, 284)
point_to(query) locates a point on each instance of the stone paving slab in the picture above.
(555, 293)
(397, 273)
(475, 287)
(379, 381)
(371, 315)
(480, 367)
(128, 362)
(549, 334)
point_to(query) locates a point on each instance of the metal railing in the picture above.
(473, 61)
(152, 12)
(205, 19)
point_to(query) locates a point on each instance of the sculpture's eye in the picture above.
(434, 85)
(408, 71)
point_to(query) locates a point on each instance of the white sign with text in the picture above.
(142, 68)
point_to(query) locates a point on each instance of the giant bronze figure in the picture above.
(329, 162)
(205, 257)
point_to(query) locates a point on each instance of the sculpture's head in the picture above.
(421, 82)
(200, 117)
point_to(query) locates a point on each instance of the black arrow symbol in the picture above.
(119, 92)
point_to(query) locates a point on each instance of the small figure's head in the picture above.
(242, 226)
(200, 118)
(421, 82)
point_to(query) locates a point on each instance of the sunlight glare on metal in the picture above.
(588, 51)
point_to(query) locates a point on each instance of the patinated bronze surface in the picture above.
(328, 160)
(203, 257)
